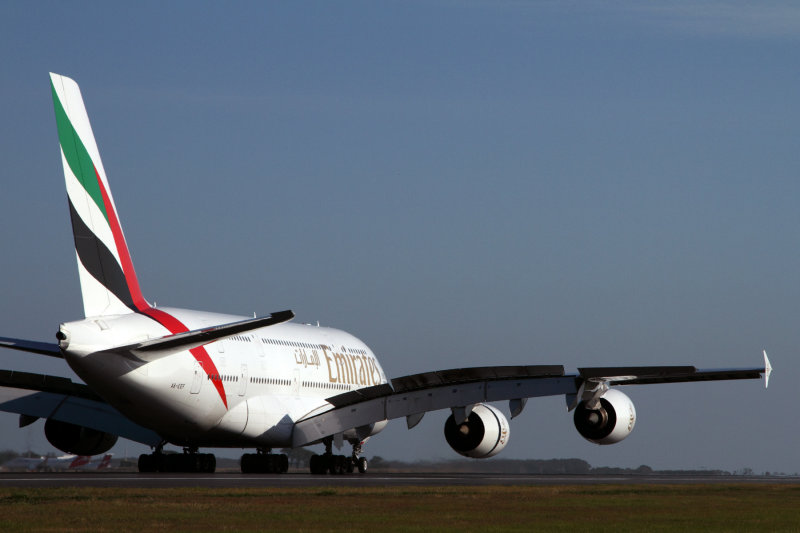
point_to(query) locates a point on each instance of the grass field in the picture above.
(768, 507)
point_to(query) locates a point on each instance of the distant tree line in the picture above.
(534, 466)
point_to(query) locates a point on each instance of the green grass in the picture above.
(751, 507)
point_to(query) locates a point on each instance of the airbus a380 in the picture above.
(158, 375)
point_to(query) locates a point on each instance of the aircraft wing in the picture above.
(43, 348)
(460, 389)
(34, 396)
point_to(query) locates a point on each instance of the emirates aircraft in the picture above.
(195, 379)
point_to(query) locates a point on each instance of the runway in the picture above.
(374, 479)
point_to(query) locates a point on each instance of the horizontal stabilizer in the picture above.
(45, 383)
(43, 348)
(198, 337)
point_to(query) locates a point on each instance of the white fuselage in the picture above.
(256, 386)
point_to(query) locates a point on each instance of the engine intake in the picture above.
(610, 423)
(484, 434)
(78, 440)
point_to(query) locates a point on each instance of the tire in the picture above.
(246, 464)
(208, 463)
(146, 463)
(341, 464)
(362, 465)
(284, 464)
(315, 465)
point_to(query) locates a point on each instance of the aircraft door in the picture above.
(258, 343)
(197, 378)
(243, 381)
(296, 382)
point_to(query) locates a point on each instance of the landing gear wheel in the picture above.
(192, 462)
(341, 464)
(208, 463)
(355, 460)
(283, 464)
(313, 464)
(264, 463)
(147, 463)
(336, 465)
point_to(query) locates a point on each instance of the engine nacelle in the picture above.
(77, 440)
(484, 434)
(610, 423)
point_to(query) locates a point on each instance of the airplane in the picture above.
(77, 462)
(195, 379)
(103, 463)
(30, 464)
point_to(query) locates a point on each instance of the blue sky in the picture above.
(456, 183)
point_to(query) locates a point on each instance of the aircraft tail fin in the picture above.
(108, 281)
(105, 462)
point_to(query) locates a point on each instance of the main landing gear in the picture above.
(188, 461)
(264, 462)
(338, 464)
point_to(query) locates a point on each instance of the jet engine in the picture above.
(612, 421)
(77, 440)
(484, 434)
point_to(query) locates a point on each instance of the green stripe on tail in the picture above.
(76, 154)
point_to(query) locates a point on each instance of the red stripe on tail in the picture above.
(168, 321)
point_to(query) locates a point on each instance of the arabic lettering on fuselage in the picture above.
(343, 367)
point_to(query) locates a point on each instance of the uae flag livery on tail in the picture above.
(108, 281)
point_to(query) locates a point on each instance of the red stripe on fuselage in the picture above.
(168, 321)
(176, 326)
